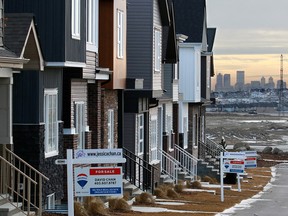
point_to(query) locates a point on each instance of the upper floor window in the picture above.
(157, 50)
(75, 19)
(51, 122)
(92, 22)
(119, 34)
(140, 141)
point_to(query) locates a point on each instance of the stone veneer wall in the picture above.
(29, 145)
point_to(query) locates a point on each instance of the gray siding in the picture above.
(168, 74)
(129, 132)
(140, 40)
(91, 64)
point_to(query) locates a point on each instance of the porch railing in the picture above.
(169, 165)
(22, 182)
(138, 171)
(210, 148)
(188, 162)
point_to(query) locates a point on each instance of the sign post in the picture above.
(103, 181)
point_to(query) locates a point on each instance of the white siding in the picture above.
(190, 72)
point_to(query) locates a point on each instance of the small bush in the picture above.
(145, 198)
(172, 193)
(117, 204)
(179, 188)
(208, 179)
(159, 193)
(97, 207)
(79, 209)
(195, 185)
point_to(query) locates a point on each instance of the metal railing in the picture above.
(188, 162)
(22, 182)
(169, 165)
(210, 148)
(138, 171)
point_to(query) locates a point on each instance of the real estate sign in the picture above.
(233, 166)
(98, 181)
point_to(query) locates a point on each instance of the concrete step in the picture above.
(9, 209)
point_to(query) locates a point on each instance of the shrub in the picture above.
(208, 179)
(145, 198)
(116, 204)
(97, 207)
(195, 185)
(159, 193)
(179, 188)
(172, 193)
(79, 209)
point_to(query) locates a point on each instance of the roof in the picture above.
(189, 18)
(21, 38)
(4, 52)
(211, 32)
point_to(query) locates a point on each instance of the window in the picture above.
(195, 130)
(79, 122)
(140, 127)
(51, 201)
(119, 34)
(157, 50)
(153, 139)
(92, 13)
(169, 130)
(51, 122)
(110, 128)
(75, 19)
(185, 132)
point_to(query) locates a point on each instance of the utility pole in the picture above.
(281, 97)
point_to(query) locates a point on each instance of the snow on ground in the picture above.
(158, 209)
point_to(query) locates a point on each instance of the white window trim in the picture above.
(120, 16)
(51, 201)
(75, 19)
(185, 132)
(80, 118)
(195, 131)
(92, 25)
(170, 131)
(110, 129)
(154, 139)
(140, 142)
(51, 92)
(157, 50)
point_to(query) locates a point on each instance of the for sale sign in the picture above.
(98, 181)
(233, 166)
(250, 162)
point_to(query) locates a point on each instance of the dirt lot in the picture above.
(257, 130)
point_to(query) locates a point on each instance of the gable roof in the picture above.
(189, 18)
(211, 32)
(21, 38)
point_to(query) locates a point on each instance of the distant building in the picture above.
(219, 82)
(263, 82)
(271, 84)
(255, 85)
(278, 84)
(227, 82)
(240, 80)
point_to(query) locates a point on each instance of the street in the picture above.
(272, 201)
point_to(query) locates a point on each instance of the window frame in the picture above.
(141, 134)
(51, 149)
(51, 201)
(110, 129)
(75, 19)
(154, 139)
(92, 25)
(120, 34)
(79, 123)
(185, 132)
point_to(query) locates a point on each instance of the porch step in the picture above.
(131, 189)
(165, 179)
(8, 209)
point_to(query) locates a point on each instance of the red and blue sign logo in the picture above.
(82, 179)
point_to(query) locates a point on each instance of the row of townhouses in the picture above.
(81, 74)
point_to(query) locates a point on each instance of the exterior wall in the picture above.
(91, 64)
(190, 71)
(108, 42)
(205, 77)
(183, 114)
(32, 138)
(129, 132)
(109, 101)
(6, 107)
(139, 55)
(94, 113)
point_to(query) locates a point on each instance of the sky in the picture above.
(251, 35)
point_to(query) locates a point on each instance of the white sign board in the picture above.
(98, 181)
(250, 162)
(233, 166)
(98, 153)
(234, 155)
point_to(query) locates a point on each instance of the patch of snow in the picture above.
(170, 203)
(158, 210)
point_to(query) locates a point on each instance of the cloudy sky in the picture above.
(251, 36)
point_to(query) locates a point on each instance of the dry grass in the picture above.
(159, 193)
(79, 209)
(179, 187)
(97, 207)
(212, 203)
(144, 198)
(171, 193)
(210, 180)
(194, 185)
(119, 204)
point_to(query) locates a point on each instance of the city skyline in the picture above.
(250, 41)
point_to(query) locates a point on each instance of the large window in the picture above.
(75, 19)
(51, 122)
(110, 128)
(153, 139)
(157, 50)
(140, 124)
(79, 122)
(119, 34)
(92, 12)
